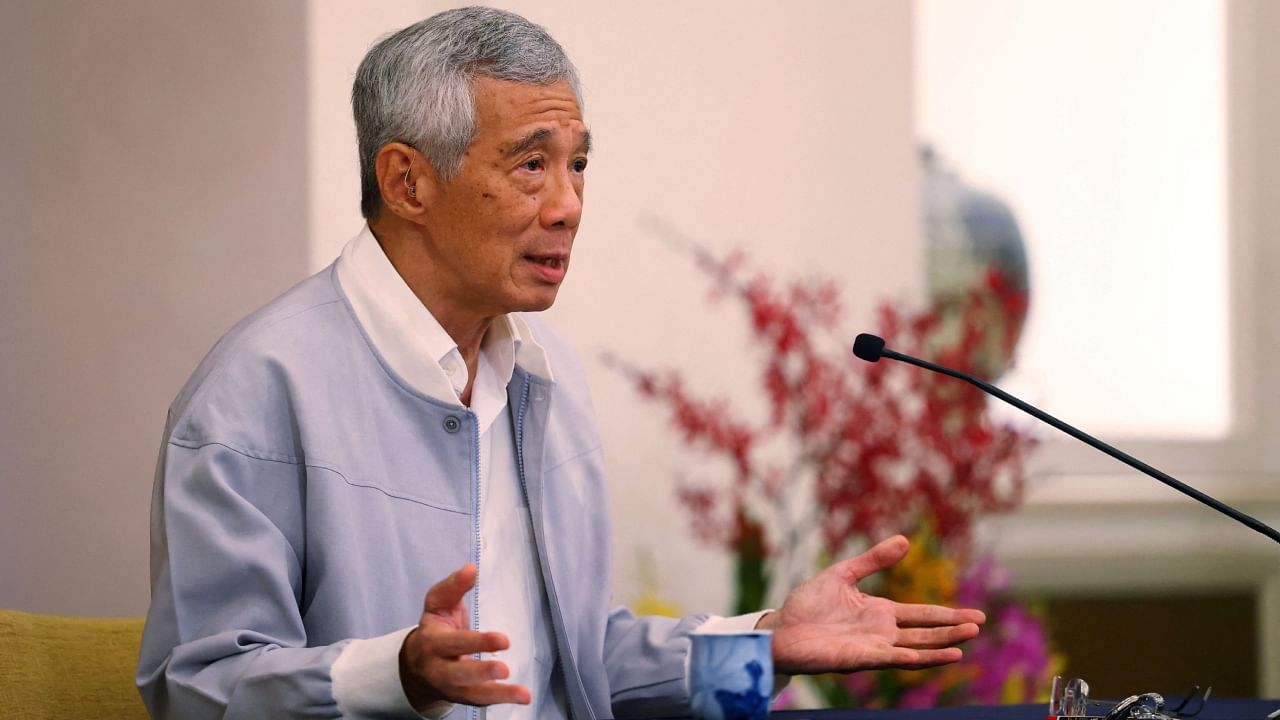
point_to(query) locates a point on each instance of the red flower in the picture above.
(885, 446)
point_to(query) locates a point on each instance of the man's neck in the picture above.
(413, 263)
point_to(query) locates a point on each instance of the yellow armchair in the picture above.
(64, 667)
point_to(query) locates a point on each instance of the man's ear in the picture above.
(404, 179)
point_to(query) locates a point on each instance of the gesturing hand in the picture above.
(435, 659)
(827, 625)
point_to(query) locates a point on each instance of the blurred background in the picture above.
(165, 168)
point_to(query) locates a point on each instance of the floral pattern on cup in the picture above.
(731, 675)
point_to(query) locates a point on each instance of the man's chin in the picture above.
(540, 301)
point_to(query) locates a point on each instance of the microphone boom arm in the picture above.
(1090, 440)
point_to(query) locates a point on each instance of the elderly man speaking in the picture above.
(401, 424)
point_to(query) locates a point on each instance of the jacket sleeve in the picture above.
(646, 660)
(225, 637)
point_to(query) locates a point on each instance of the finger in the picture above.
(456, 643)
(933, 658)
(467, 672)
(882, 555)
(920, 615)
(910, 659)
(939, 637)
(447, 594)
(494, 693)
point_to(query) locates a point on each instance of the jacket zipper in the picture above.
(473, 712)
(524, 487)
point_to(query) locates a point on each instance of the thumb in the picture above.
(447, 594)
(883, 554)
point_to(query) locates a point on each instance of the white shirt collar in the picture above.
(412, 341)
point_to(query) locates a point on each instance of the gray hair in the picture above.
(414, 86)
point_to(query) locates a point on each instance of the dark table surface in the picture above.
(1215, 709)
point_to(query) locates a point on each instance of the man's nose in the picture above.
(562, 206)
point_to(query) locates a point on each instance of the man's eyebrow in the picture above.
(528, 142)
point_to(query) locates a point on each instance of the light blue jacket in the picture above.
(306, 496)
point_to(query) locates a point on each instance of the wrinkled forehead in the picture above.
(527, 114)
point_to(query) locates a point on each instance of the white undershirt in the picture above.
(366, 679)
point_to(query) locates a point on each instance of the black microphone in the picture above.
(871, 348)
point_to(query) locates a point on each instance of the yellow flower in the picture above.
(925, 575)
(1014, 690)
(650, 603)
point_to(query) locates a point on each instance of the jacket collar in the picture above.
(410, 338)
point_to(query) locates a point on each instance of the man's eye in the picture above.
(580, 165)
(533, 164)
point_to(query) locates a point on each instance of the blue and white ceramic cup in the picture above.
(731, 675)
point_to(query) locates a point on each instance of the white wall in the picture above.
(154, 190)
(1114, 163)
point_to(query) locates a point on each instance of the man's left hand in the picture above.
(827, 624)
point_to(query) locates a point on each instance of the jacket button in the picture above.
(452, 424)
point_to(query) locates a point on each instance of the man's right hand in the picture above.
(436, 660)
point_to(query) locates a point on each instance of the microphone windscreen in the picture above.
(868, 347)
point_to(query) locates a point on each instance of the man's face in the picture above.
(502, 228)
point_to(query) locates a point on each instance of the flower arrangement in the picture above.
(851, 452)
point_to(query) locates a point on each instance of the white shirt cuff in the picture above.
(366, 681)
(736, 623)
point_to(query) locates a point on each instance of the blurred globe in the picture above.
(976, 265)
